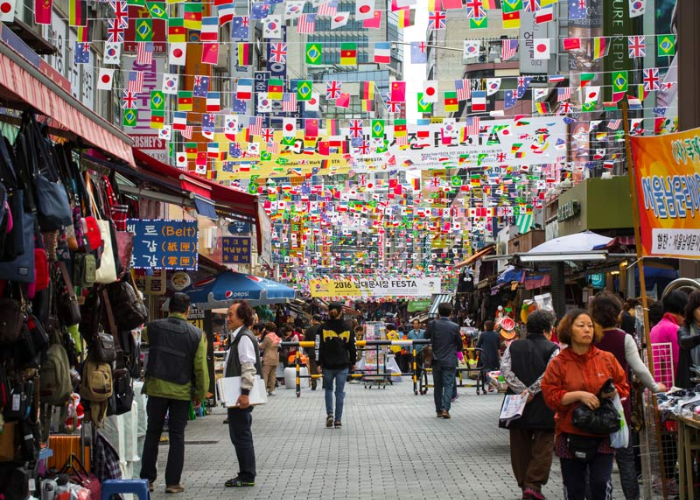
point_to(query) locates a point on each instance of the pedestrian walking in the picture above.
(417, 333)
(575, 377)
(606, 310)
(242, 360)
(336, 355)
(270, 346)
(446, 342)
(311, 335)
(175, 375)
(490, 343)
(532, 435)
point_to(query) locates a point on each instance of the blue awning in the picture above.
(437, 300)
(205, 207)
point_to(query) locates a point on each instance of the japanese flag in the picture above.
(112, 53)
(430, 91)
(105, 79)
(541, 48)
(178, 53)
(340, 20)
(313, 103)
(169, 83)
(166, 133)
(7, 10)
(181, 159)
(364, 9)
(289, 127)
(592, 94)
(208, 134)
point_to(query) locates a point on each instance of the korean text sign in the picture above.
(668, 192)
(236, 250)
(164, 244)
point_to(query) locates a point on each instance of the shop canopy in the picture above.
(437, 300)
(24, 86)
(221, 290)
(476, 257)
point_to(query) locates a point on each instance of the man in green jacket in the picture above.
(176, 374)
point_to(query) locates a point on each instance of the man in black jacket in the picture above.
(531, 435)
(336, 354)
(310, 336)
(447, 342)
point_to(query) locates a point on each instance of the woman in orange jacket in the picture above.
(574, 378)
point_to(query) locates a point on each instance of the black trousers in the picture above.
(239, 422)
(177, 411)
(574, 473)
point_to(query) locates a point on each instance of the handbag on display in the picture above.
(103, 348)
(69, 308)
(129, 310)
(11, 320)
(107, 269)
(82, 477)
(84, 269)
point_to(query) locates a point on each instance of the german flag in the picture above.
(176, 30)
(368, 91)
(78, 13)
(348, 54)
(244, 54)
(184, 100)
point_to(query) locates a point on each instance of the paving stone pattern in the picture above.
(391, 446)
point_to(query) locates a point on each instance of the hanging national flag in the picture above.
(419, 55)
(210, 53)
(193, 15)
(423, 105)
(77, 12)
(311, 128)
(398, 91)
(200, 87)
(464, 89)
(382, 52)
(600, 47)
(367, 90)
(619, 81)
(477, 23)
(541, 48)
(451, 103)
(105, 79)
(637, 46)
(343, 101)
(213, 102)
(166, 133)
(129, 118)
(374, 22)
(478, 101)
(244, 89)
(475, 9)
(556, 78)
(144, 30)
(179, 120)
(272, 27)
(355, 128)
(307, 24)
(275, 89)
(289, 127)
(115, 32)
(377, 129)
(436, 20)
(112, 53)
(340, 20)
(492, 86)
(511, 5)
(240, 29)
(544, 15)
(157, 101)
(289, 102)
(542, 107)
(509, 99)
(572, 43)
(210, 29)
(405, 17)
(348, 54)
(314, 103)
(178, 53)
(364, 9)
(511, 20)
(666, 45)
(245, 54)
(328, 8)
(314, 53)
(128, 100)
(304, 90)
(157, 10)
(523, 84)
(157, 119)
(471, 48)
(226, 13)
(184, 100)
(564, 94)
(144, 53)
(650, 77)
(42, 11)
(135, 82)
(176, 30)
(637, 8)
(278, 52)
(586, 78)
(508, 49)
(333, 89)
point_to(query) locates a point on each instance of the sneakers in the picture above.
(271, 393)
(438, 414)
(176, 488)
(236, 482)
(337, 424)
(532, 494)
(329, 420)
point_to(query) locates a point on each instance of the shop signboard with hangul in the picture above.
(164, 244)
(235, 250)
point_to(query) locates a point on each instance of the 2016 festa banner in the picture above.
(374, 287)
(668, 192)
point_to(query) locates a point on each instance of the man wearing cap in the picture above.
(336, 355)
(310, 335)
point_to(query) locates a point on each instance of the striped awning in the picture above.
(437, 300)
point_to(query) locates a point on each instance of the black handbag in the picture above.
(602, 421)
(69, 309)
(583, 448)
(11, 321)
(103, 348)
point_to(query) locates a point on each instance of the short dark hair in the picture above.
(317, 317)
(539, 322)
(179, 303)
(693, 303)
(444, 309)
(656, 313)
(564, 330)
(488, 325)
(271, 327)
(605, 309)
(675, 302)
(244, 312)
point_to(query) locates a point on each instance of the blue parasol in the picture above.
(221, 290)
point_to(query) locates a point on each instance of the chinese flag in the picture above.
(42, 11)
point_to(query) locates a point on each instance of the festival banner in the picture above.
(374, 287)
(667, 177)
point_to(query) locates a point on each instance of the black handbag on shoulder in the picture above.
(602, 421)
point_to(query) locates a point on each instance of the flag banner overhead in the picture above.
(667, 178)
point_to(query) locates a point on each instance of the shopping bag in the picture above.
(621, 438)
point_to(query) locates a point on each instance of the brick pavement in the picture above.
(391, 446)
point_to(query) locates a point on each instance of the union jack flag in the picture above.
(128, 100)
(464, 89)
(135, 83)
(393, 106)
(532, 5)
(436, 20)
(333, 89)
(564, 94)
(268, 135)
(278, 52)
(289, 102)
(121, 12)
(651, 79)
(565, 108)
(115, 32)
(355, 128)
(637, 46)
(475, 9)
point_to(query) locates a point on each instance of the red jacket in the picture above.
(569, 372)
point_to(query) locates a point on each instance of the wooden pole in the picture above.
(642, 284)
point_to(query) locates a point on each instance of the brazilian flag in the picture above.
(304, 90)
(619, 81)
(314, 52)
(158, 10)
(476, 23)
(377, 129)
(144, 30)
(424, 107)
(157, 100)
(129, 118)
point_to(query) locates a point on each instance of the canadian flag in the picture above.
(105, 79)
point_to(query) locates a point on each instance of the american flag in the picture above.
(187, 133)
(144, 54)
(508, 49)
(278, 52)
(464, 89)
(328, 8)
(472, 126)
(614, 124)
(135, 84)
(564, 94)
(255, 125)
(289, 102)
(307, 24)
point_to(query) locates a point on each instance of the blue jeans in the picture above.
(444, 382)
(340, 375)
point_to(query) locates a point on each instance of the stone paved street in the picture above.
(391, 446)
